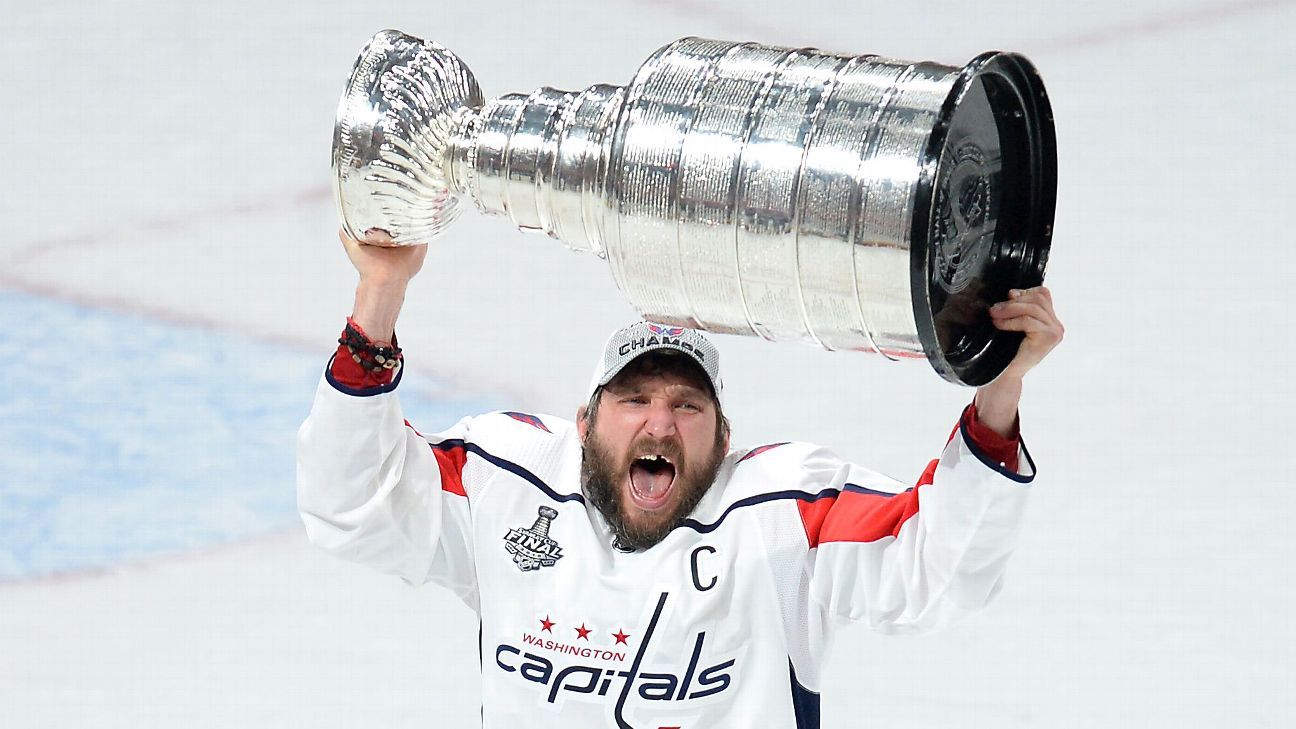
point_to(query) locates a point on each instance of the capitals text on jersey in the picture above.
(692, 683)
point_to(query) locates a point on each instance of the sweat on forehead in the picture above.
(663, 363)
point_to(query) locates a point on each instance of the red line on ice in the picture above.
(1158, 24)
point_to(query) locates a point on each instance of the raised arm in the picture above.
(371, 489)
(904, 560)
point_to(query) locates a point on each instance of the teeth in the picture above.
(656, 457)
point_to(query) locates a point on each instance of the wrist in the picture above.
(384, 280)
(377, 305)
(996, 403)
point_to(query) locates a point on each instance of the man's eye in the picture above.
(690, 407)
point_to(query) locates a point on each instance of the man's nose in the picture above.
(661, 420)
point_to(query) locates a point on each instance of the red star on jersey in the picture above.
(620, 637)
(583, 632)
(546, 624)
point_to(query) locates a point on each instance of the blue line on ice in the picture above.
(123, 438)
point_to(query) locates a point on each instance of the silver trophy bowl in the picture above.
(850, 202)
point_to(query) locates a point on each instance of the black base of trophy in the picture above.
(983, 215)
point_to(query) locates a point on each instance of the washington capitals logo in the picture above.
(665, 331)
(532, 548)
(761, 449)
(530, 420)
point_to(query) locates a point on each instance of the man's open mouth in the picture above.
(651, 479)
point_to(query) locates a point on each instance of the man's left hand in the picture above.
(1029, 311)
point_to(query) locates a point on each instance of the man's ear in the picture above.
(582, 425)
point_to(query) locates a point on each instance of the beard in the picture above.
(603, 474)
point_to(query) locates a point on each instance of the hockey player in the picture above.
(608, 557)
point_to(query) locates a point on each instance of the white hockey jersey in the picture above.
(722, 624)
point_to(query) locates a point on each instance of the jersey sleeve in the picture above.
(908, 559)
(372, 490)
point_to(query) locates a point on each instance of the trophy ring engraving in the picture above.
(849, 202)
(961, 237)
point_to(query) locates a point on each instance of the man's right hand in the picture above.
(385, 272)
(380, 262)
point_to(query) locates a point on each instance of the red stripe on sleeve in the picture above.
(855, 517)
(451, 462)
(813, 515)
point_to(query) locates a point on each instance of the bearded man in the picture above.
(630, 568)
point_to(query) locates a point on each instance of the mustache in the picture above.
(646, 446)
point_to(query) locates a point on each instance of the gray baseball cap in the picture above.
(627, 344)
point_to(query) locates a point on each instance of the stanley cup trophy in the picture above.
(851, 202)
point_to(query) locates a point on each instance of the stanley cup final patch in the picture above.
(532, 548)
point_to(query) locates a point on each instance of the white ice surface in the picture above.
(170, 159)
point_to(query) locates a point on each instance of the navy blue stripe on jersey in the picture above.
(693, 524)
(829, 493)
(872, 492)
(805, 703)
(360, 391)
(509, 466)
